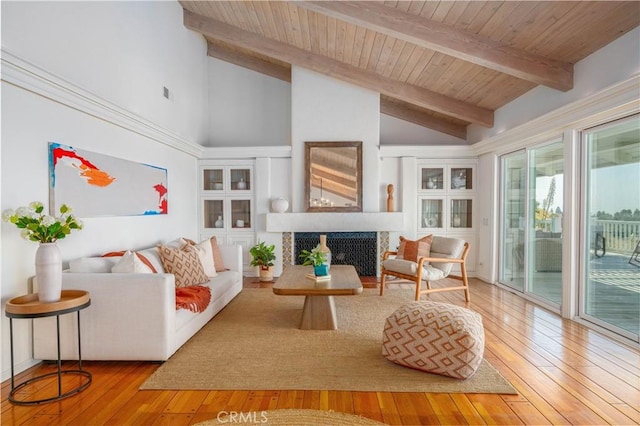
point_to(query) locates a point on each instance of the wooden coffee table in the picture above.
(319, 311)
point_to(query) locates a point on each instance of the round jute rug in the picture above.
(290, 418)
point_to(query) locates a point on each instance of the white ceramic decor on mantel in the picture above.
(279, 205)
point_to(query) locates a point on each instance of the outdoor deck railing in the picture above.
(621, 236)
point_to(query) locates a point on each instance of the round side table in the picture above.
(28, 307)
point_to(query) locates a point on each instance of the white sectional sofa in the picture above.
(133, 316)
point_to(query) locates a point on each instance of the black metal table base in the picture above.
(60, 395)
(59, 371)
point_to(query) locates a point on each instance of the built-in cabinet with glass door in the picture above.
(226, 203)
(446, 200)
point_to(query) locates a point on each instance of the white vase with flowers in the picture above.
(47, 230)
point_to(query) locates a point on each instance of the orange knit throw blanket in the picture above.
(195, 298)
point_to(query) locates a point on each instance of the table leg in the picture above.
(59, 358)
(11, 344)
(319, 313)
(79, 345)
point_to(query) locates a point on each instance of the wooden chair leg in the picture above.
(465, 282)
(383, 280)
(418, 289)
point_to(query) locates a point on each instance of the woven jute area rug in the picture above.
(292, 418)
(255, 344)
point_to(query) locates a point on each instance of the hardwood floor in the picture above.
(564, 373)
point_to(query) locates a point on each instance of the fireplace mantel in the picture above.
(334, 222)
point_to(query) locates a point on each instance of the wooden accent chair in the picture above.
(445, 252)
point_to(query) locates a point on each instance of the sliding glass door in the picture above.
(610, 290)
(531, 221)
(513, 217)
(546, 182)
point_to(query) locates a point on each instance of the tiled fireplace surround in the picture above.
(352, 248)
(327, 223)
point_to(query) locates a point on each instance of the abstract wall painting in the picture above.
(100, 185)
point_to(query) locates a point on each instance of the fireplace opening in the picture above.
(359, 249)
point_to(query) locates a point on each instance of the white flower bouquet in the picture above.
(40, 227)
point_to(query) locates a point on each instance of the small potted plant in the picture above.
(263, 256)
(316, 258)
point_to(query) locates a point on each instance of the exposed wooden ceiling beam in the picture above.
(449, 40)
(405, 112)
(333, 68)
(250, 62)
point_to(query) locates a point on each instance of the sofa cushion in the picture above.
(152, 255)
(413, 250)
(205, 251)
(184, 263)
(140, 256)
(93, 264)
(131, 263)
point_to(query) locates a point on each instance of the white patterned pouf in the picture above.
(436, 337)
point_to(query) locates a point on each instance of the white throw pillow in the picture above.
(205, 253)
(131, 263)
(153, 256)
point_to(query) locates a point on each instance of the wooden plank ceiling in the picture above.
(439, 64)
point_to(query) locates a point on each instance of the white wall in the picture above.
(325, 109)
(115, 54)
(125, 52)
(247, 108)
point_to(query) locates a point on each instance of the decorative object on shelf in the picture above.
(217, 186)
(45, 229)
(431, 221)
(325, 249)
(263, 257)
(390, 197)
(242, 184)
(431, 183)
(459, 180)
(239, 223)
(219, 223)
(317, 259)
(456, 221)
(280, 205)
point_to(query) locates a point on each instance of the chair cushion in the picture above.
(446, 248)
(407, 267)
(435, 337)
(413, 250)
